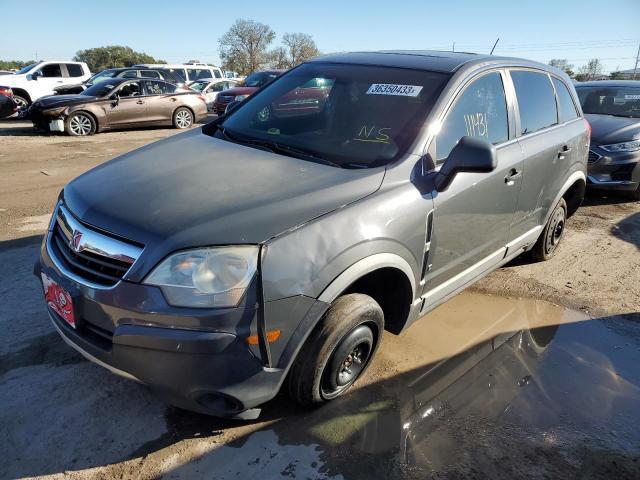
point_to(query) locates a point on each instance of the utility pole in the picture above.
(635, 68)
(453, 48)
(494, 46)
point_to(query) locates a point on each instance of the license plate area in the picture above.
(59, 300)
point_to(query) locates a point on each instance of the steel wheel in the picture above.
(80, 125)
(347, 362)
(555, 231)
(183, 118)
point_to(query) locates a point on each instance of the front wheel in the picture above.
(338, 351)
(182, 118)
(80, 124)
(552, 233)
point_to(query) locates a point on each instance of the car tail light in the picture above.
(588, 127)
(6, 91)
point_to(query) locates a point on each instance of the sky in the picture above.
(178, 31)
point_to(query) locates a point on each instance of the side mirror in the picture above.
(116, 99)
(471, 154)
(232, 106)
(36, 75)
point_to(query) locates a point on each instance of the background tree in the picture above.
(112, 56)
(300, 47)
(617, 75)
(14, 64)
(590, 71)
(562, 64)
(243, 48)
(278, 58)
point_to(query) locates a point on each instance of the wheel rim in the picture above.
(352, 366)
(80, 125)
(183, 119)
(20, 102)
(341, 374)
(556, 229)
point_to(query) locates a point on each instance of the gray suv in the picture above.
(272, 247)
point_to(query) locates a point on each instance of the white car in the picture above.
(211, 88)
(39, 79)
(188, 72)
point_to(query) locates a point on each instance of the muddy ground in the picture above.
(565, 394)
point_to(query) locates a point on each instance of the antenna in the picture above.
(494, 46)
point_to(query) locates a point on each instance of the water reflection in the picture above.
(484, 386)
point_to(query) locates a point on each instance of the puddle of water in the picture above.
(483, 386)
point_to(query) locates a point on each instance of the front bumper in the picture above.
(197, 359)
(613, 171)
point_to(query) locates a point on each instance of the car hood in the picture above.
(238, 91)
(607, 129)
(53, 101)
(193, 190)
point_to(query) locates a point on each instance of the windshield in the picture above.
(27, 68)
(618, 101)
(259, 79)
(102, 76)
(100, 89)
(355, 116)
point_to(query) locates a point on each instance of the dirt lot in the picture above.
(569, 404)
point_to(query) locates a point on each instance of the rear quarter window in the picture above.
(74, 70)
(536, 100)
(566, 108)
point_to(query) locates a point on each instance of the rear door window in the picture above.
(480, 111)
(536, 100)
(198, 73)
(149, 74)
(74, 70)
(566, 108)
(130, 74)
(156, 87)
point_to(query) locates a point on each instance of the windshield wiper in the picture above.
(277, 147)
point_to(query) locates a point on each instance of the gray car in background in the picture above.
(272, 247)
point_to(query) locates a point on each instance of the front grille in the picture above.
(89, 255)
(593, 157)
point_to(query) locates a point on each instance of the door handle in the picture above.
(565, 149)
(512, 176)
(140, 102)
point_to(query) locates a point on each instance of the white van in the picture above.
(188, 72)
(39, 79)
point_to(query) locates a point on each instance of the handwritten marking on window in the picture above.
(373, 134)
(477, 125)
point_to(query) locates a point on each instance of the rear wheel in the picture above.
(552, 233)
(80, 124)
(338, 351)
(182, 118)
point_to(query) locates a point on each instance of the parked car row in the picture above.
(8, 105)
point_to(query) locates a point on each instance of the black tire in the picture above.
(551, 235)
(182, 118)
(338, 351)
(21, 101)
(80, 124)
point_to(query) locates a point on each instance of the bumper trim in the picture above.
(90, 357)
(595, 181)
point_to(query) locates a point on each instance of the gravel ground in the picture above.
(574, 412)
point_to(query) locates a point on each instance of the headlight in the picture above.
(206, 277)
(631, 146)
(240, 97)
(54, 112)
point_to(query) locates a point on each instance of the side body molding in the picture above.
(364, 266)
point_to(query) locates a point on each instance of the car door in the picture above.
(46, 78)
(160, 100)
(74, 74)
(472, 217)
(545, 148)
(130, 108)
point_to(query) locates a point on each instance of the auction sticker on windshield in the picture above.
(58, 299)
(392, 89)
